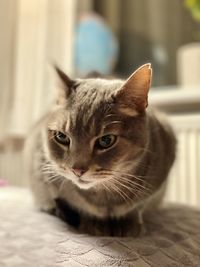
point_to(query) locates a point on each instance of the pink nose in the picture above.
(78, 172)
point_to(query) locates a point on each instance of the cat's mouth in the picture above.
(84, 181)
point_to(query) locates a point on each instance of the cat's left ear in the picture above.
(133, 95)
(64, 85)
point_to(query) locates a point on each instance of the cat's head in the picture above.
(98, 130)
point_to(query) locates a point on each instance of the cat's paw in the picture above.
(127, 228)
(112, 227)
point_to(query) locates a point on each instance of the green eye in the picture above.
(62, 138)
(106, 141)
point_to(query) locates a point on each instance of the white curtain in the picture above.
(33, 35)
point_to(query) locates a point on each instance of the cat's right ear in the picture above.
(133, 95)
(64, 85)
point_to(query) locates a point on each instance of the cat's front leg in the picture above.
(42, 195)
(137, 226)
(66, 213)
(130, 226)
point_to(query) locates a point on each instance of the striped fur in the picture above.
(121, 182)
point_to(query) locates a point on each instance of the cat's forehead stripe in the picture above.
(128, 111)
(67, 125)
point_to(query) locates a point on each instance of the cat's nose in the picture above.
(78, 172)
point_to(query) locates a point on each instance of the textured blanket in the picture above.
(31, 238)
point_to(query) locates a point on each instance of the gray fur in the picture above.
(125, 180)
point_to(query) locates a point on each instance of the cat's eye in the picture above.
(106, 141)
(62, 138)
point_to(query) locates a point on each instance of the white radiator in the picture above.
(184, 182)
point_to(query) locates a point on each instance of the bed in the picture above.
(32, 238)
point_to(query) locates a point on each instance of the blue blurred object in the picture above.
(96, 48)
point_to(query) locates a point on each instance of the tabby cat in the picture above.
(100, 158)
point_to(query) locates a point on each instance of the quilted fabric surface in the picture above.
(31, 238)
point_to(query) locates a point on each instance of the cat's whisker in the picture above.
(113, 187)
(124, 173)
(98, 175)
(61, 185)
(119, 190)
(107, 188)
(138, 177)
(47, 168)
(139, 185)
(125, 186)
(132, 186)
(52, 175)
(133, 190)
(144, 186)
(48, 172)
(52, 179)
(137, 188)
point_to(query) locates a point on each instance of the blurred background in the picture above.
(113, 37)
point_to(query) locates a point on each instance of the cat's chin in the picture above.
(81, 183)
(84, 184)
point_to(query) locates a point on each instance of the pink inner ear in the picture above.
(134, 92)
